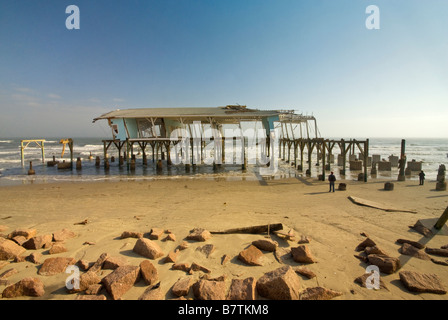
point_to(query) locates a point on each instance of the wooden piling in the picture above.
(442, 220)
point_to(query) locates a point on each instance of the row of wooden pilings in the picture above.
(324, 148)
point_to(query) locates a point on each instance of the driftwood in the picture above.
(285, 236)
(252, 229)
(376, 205)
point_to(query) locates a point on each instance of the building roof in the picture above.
(238, 112)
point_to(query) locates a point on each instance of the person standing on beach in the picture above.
(421, 175)
(332, 179)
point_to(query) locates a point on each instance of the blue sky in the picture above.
(316, 57)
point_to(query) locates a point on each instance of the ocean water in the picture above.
(432, 153)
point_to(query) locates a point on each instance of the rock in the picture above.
(419, 282)
(412, 251)
(38, 242)
(181, 266)
(34, 257)
(121, 280)
(302, 254)
(131, 234)
(443, 263)
(197, 267)
(170, 237)
(98, 265)
(148, 248)
(184, 245)
(9, 249)
(32, 287)
(86, 280)
(362, 280)
(152, 293)
(8, 273)
(319, 293)
(199, 234)
(57, 248)
(420, 228)
(19, 259)
(375, 250)
(266, 244)
(27, 233)
(182, 287)
(91, 297)
(94, 289)
(19, 240)
(207, 249)
(242, 289)
(280, 284)
(251, 256)
(304, 239)
(52, 266)
(156, 233)
(224, 259)
(386, 264)
(84, 265)
(412, 243)
(282, 254)
(210, 290)
(63, 235)
(366, 243)
(148, 272)
(437, 252)
(112, 263)
(171, 257)
(305, 272)
(362, 256)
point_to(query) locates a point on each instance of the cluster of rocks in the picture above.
(413, 281)
(15, 244)
(282, 283)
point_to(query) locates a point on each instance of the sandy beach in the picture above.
(304, 206)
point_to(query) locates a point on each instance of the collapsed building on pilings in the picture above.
(212, 135)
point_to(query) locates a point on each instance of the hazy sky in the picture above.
(316, 57)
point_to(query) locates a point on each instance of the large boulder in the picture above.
(199, 234)
(251, 256)
(148, 248)
(9, 249)
(182, 287)
(121, 280)
(209, 290)
(32, 287)
(27, 233)
(38, 242)
(62, 235)
(302, 254)
(52, 266)
(242, 289)
(386, 264)
(114, 262)
(419, 282)
(148, 272)
(280, 284)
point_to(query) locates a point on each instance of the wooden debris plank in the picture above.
(376, 205)
(252, 229)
